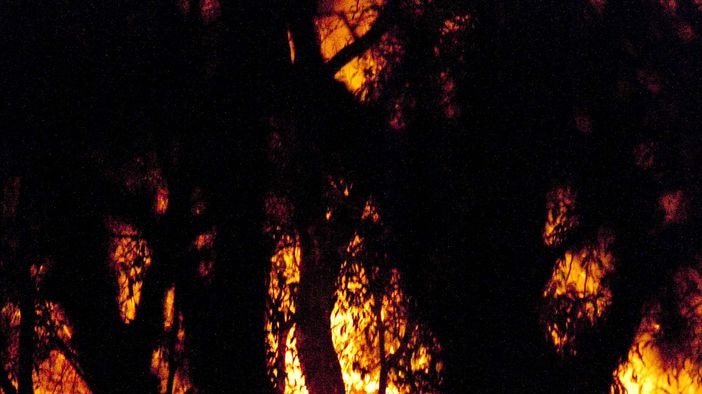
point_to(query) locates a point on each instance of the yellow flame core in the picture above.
(560, 215)
(660, 361)
(576, 295)
(130, 258)
(204, 243)
(283, 279)
(410, 354)
(294, 378)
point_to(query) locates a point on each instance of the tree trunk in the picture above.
(317, 283)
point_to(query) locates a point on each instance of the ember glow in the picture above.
(9, 354)
(130, 259)
(674, 207)
(577, 295)
(161, 203)
(666, 355)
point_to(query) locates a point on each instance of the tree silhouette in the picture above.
(349, 196)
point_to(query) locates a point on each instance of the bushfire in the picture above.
(664, 356)
(376, 340)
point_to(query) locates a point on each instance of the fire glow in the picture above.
(130, 259)
(560, 215)
(55, 368)
(664, 358)
(371, 332)
(577, 295)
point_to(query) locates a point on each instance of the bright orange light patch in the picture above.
(53, 371)
(362, 74)
(294, 378)
(561, 216)
(358, 319)
(663, 359)
(205, 241)
(291, 44)
(57, 375)
(410, 352)
(577, 295)
(161, 204)
(160, 368)
(52, 322)
(130, 259)
(340, 22)
(162, 361)
(169, 308)
(370, 212)
(283, 280)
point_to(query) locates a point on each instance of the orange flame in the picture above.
(661, 362)
(291, 44)
(577, 295)
(410, 353)
(169, 308)
(342, 22)
(57, 375)
(130, 258)
(205, 241)
(561, 217)
(53, 372)
(161, 204)
(161, 362)
(283, 279)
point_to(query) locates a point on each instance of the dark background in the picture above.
(84, 82)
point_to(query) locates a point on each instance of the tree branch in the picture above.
(360, 45)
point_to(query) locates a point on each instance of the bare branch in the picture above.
(360, 45)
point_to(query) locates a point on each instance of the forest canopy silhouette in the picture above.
(350, 196)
